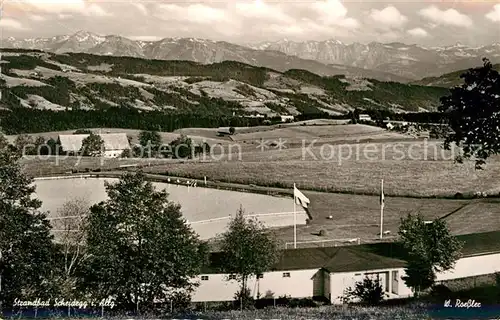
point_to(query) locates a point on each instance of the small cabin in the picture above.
(287, 118)
(364, 117)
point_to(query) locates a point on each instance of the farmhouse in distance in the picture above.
(114, 143)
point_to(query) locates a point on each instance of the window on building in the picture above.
(286, 274)
(260, 276)
(204, 278)
(232, 277)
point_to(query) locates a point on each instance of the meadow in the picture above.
(338, 158)
(323, 313)
(357, 216)
(408, 178)
(342, 178)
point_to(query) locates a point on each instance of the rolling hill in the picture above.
(447, 80)
(43, 87)
(83, 81)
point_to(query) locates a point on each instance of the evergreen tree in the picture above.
(26, 249)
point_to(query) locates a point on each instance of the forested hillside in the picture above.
(168, 91)
(447, 80)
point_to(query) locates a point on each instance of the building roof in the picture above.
(362, 257)
(112, 141)
(333, 259)
(336, 259)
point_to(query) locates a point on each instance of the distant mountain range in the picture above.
(386, 62)
(409, 61)
(191, 49)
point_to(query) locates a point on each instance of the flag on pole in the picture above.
(382, 198)
(300, 198)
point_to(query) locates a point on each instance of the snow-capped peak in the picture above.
(82, 36)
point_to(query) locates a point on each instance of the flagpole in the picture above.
(382, 208)
(294, 219)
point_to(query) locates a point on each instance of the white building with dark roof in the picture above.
(326, 272)
(114, 143)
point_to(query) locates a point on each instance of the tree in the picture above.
(140, 248)
(26, 248)
(52, 148)
(40, 146)
(70, 227)
(473, 113)
(249, 249)
(24, 144)
(431, 248)
(93, 146)
(4, 143)
(151, 142)
(354, 115)
(182, 148)
(368, 291)
(202, 149)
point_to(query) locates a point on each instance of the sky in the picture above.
(424, 22)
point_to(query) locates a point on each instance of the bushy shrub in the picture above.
(244, 299)
(369, 291)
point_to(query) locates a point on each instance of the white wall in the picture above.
(112, 153)
(472, 266)
(465, 267)
(215, 289)
(341, 281)
(300, 284)
(304, 283)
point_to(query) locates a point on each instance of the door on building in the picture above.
(395, 282)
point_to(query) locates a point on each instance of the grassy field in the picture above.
(351, 176)
(345, 158)
(356, 216)
(299, 133)
(322, 313)
(401, 178)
